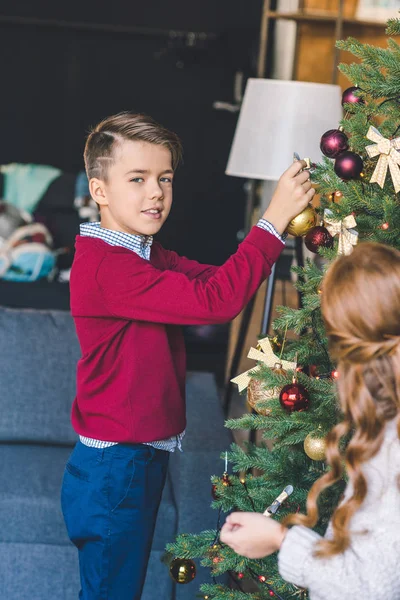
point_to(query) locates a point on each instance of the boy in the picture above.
(128, 296)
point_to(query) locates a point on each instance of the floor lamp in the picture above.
(277, 118)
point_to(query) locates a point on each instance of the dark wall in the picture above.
(59, 80)
(187, 15)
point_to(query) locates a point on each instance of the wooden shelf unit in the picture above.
(309, 16)
(317, 30)
(342, 20)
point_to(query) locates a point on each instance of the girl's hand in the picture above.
(252, 535)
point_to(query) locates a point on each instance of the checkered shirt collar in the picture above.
(137, 243)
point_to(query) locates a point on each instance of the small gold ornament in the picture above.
(225, 480)
(315, 447)
(335, 196)
(182, 570)
(302, 224)
(256, 392)
(389, 158)
(276, 344)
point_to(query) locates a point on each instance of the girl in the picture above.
(359, 555)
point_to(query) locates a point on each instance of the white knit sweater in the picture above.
(369, 568)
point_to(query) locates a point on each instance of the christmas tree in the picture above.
(292, 387)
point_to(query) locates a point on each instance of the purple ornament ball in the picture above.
(349, 97)
(348, 165)
(333, 143)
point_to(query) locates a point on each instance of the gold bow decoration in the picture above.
(388, 157)
(344, 228)
(264, 355)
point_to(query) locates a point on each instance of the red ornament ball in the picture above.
(349, 96)
(348, 165)
(333, 143)
(294, 398)
(214, 494)
(318, 237)
(225, 480)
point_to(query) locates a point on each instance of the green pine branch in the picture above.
(393, 27)
(219, 592)
(259, 473)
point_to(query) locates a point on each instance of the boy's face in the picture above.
(137, 196)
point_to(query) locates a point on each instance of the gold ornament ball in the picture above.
(276, 344)
(256, 392)
(182, 570)
(315, 447)
(302, 224)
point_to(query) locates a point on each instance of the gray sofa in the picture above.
(38, 354)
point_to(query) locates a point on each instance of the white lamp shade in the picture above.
(278, 118)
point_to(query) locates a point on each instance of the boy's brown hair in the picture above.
(107, 135)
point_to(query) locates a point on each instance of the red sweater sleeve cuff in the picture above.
(269, 244)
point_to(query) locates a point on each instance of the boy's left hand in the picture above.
(252, 535)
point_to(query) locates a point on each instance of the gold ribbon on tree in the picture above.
(265, 355)
(344, 228)
(388, 157)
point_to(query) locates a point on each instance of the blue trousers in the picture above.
(110, 499)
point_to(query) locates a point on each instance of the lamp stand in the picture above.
(268, 302)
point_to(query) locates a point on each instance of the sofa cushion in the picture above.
(38, 572)
(48, 572)
(39, 351)
(30, 506)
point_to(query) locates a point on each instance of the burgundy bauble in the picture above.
(333, 142)
(349, 97)
(225, 480)
(294, 398)
(318, 237)
(348, 165)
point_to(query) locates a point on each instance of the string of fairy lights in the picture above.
(188, 573)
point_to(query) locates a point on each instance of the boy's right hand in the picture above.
(292, 195)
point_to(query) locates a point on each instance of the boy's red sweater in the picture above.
(127, 312)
